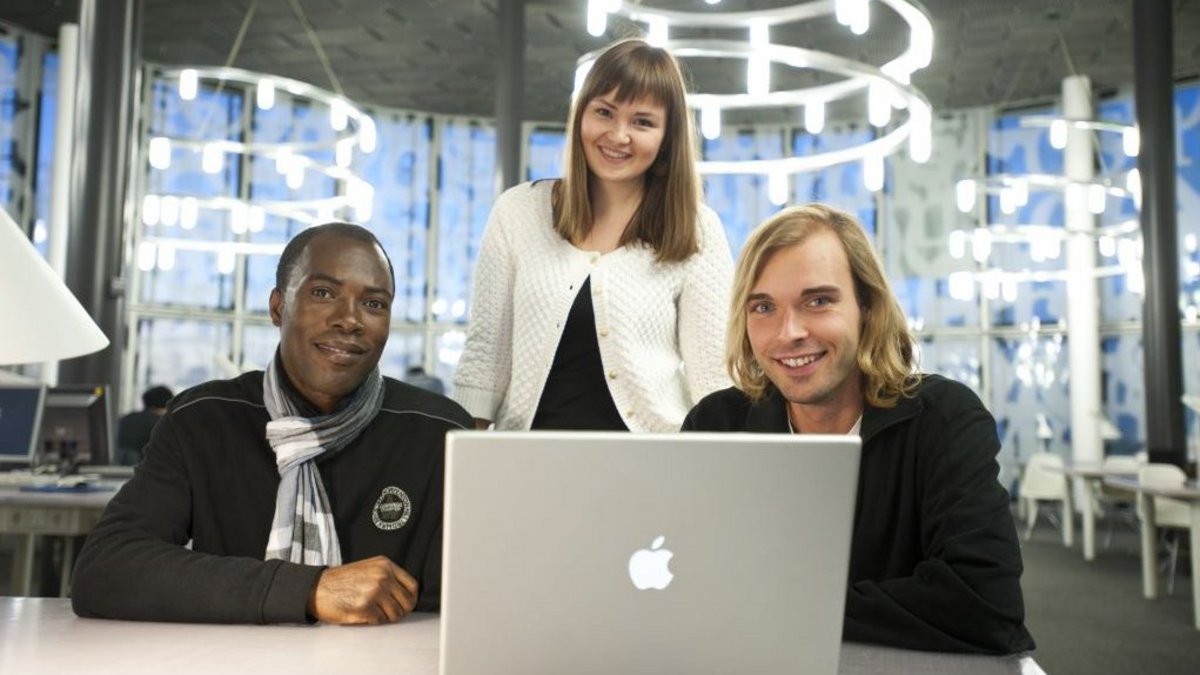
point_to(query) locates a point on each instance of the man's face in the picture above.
(804, 323)
(333, 317)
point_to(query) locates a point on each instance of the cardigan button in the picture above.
(603, 332)
(612, 374)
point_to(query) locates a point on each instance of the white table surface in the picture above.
(1190, 493)
(43, 635)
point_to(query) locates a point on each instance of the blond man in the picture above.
(818, 344)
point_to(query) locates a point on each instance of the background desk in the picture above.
(43, 635)
(1190, 493)
(59, 514)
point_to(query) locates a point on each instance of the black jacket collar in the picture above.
(770, 415)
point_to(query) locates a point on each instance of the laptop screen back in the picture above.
(617, 552)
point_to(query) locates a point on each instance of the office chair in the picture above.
(1168, 513)
(1042, 481)
(1113, 503)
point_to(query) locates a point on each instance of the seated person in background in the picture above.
(417, 377)
(133, 430)
(277, 478)
(818, 344)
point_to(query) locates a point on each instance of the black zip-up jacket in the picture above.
(208, 476)
(934, 560)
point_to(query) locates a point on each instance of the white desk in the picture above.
(42, 635)
(59, 514)
(1190, 492)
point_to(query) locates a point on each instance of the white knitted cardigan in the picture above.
(661, 327)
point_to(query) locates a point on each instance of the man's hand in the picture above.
(374, 590)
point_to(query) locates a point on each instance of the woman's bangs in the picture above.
(635, 80)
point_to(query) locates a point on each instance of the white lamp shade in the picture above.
(39, 318)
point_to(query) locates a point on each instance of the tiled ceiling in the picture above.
(441, 55)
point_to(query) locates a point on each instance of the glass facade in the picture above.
(194, 316)
(8, 111)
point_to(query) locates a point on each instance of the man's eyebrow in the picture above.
(807, 292)
(822, 289)
(321, 276)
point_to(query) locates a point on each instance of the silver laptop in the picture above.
(589, 552)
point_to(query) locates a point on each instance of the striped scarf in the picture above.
(303, 530)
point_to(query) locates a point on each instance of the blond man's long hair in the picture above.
(666, 220)
(886, 353)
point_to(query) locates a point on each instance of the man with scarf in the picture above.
(309, 492)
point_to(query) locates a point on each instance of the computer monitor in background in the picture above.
(77, 426)
(20, 420)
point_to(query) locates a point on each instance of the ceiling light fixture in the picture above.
(1118, 245)
(297, 161)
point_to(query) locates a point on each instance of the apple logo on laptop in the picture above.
(648, 567)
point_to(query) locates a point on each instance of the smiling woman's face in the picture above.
(333, 317)
(621, 140)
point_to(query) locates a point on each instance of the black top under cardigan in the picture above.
(576, 394)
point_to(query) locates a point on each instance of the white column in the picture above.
(1083, 307)
(60, 181)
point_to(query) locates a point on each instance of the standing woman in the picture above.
(600, 299)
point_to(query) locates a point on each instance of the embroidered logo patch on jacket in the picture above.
(392, 509)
